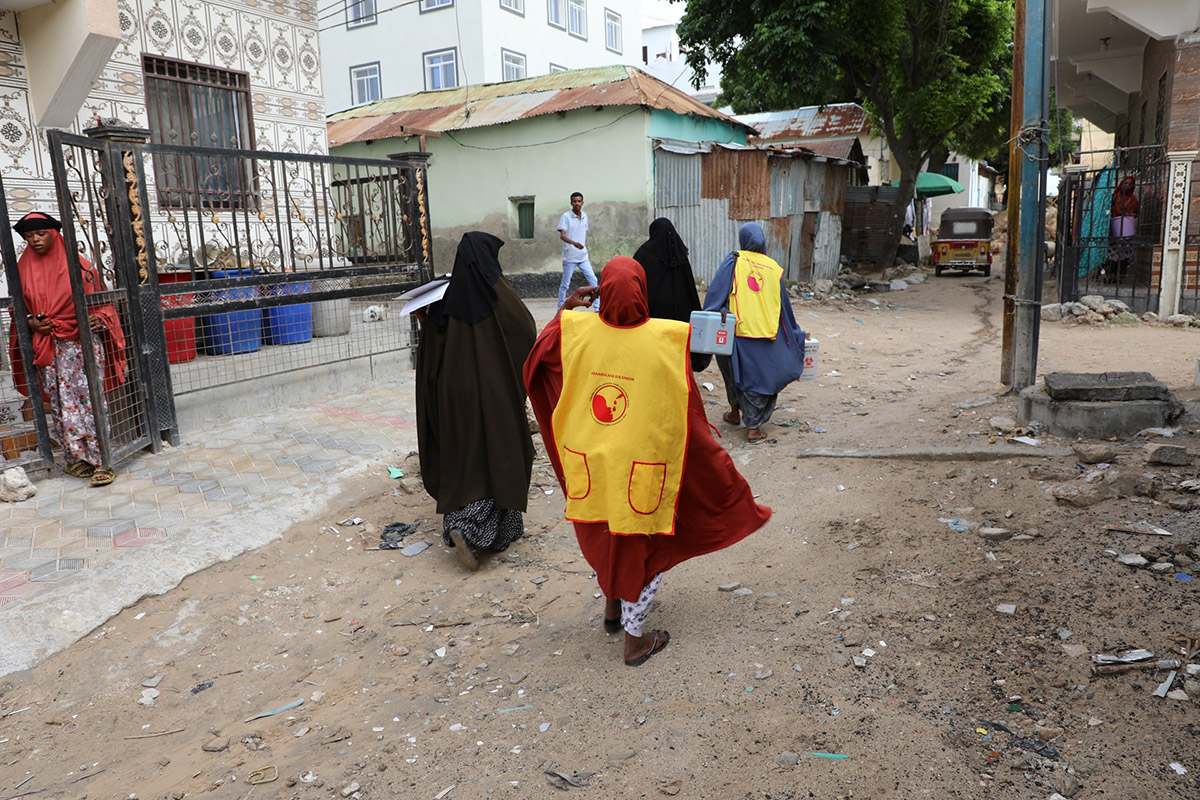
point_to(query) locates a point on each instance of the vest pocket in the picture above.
(577, 474)
(646, 483)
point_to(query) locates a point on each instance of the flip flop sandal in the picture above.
(659, 644)
(611, 626)
(466, 558)
(80, 469)
(732, 420)
(103, 476)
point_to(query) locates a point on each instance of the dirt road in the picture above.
(868, 658)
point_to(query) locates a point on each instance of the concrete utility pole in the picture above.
(1012, 200)
(1031, 244)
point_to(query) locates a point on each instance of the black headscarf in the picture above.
(37, 221)
(471, 296)
(670, 284)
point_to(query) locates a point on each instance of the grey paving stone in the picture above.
(18, 542)
(42, 569)
(111, 527)
(71, 563)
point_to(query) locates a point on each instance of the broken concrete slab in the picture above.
(1168, 454)
(1092, 387)
(1094, 419)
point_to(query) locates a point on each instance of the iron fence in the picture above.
(1110, 227)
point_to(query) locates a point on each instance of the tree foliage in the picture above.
(931, 73)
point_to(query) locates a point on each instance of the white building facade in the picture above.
(259, 62)
(661, 57)
(373, 49)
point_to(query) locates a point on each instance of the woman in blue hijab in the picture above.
(763, 360)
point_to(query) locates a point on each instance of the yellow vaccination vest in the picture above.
(620, 425)
(754, 296)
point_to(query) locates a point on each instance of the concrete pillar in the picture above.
(1179, 181)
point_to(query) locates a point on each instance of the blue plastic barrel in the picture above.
(233, 331)
(289, 324)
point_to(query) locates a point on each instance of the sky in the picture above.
(657, 12)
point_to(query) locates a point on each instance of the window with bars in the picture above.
(365, 86)
(612, 30)
(193, 104)
(513, 65)
(359, 13)
(556, 13)
(577, 18)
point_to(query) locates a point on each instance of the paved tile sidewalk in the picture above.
(73, 555)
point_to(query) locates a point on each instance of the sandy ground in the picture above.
(421, 680)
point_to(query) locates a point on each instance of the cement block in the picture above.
(1105, 386)
(1094, 420)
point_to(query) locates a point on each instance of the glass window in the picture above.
(950, 170)
(612, 30)
(557, 67)
(513, 65)
(364, 84)
(433, 5)
(515, 6)
(525, 219)
(359, 13)
(191, 104)
(577, 18)
(441, 69)
(556, 13)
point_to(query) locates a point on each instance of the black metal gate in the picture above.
(1110, 224)
(240, 231)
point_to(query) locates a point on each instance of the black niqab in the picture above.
(670, 284)
(471, 296)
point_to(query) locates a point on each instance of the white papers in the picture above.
(424, 295)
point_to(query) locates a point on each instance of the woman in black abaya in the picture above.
(472, 432)
(670, 284)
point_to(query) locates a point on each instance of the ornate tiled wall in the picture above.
(275, 43)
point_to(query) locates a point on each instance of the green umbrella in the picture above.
(933, 184)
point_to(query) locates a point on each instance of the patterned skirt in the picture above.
(485, 526)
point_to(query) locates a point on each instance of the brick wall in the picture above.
(1184, 126)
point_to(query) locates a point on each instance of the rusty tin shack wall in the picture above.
(797, 200)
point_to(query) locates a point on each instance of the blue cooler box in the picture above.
(710, 334)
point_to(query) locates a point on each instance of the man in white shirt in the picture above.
(572, 229)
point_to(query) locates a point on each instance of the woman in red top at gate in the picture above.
(57, 351)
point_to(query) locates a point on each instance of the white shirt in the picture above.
(576, 229)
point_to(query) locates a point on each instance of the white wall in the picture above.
(479, 29)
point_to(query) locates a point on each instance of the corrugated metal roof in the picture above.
(837, 148)
(496, 103)
(810, 122)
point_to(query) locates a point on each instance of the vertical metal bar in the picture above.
(1033, 208)
(74, 276)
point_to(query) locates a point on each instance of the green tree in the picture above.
(927, 71)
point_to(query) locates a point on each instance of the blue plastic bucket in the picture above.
(233, 331)
(288, 324)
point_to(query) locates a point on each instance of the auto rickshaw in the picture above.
(964, 241)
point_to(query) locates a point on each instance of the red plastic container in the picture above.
(180, 332)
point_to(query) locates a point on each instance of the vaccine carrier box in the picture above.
(812, 352)
(710, 334)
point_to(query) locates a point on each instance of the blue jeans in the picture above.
(568, 272)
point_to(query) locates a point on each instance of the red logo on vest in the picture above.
(609, 404)
(755, 281)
